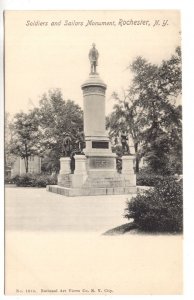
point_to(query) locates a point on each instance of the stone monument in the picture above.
(95, 170)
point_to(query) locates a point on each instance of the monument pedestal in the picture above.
(65, 171)
(95, 172)
(128, 168)
(80, 174)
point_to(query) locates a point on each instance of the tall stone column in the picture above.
(100, 159)
(94, 114)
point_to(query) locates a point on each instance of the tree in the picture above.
(59, 120)
(163, 149)
(125, 118)
(9, 157)
(149, 114)
(26, 137)
(155, 89)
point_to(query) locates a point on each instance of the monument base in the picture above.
(92, 191)
(92, 181)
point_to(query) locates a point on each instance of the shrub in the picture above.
(52, 180)
(14, 179)
(23, 180)
(145, 177)
(41, 181)
(158, 209)
(7, 179)
(34, 180)
(148, 179)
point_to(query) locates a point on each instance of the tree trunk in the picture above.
(26, 159)
(26, 163)
(136, 159)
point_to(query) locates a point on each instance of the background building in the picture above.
(34, 166)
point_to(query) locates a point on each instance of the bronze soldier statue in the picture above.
(80, 142)
(125, 146)
(67, 146)
(93, 57)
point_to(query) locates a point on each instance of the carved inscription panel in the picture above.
(101, 163)
(100, 145)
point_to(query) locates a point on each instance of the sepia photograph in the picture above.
(93, 152)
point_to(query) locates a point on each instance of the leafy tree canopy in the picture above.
(148, 112)
(59, 120)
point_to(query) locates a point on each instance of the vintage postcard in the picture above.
(93, 152)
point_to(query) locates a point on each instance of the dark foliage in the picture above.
(61, 124)
(159, 209)
(7, 179)
(148, 179)
(149, 112)
(34, 180)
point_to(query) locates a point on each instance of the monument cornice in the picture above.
(94, 81)
(94, 90)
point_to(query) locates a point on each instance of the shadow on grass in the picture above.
(121, 229)
(131, 228)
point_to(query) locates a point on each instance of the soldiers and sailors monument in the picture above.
(95, 167)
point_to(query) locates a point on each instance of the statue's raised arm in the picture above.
(93, 57)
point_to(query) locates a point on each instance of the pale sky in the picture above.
(38, 58)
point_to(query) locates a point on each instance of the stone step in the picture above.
(106, 183)
(90, 191)
(98, 182)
